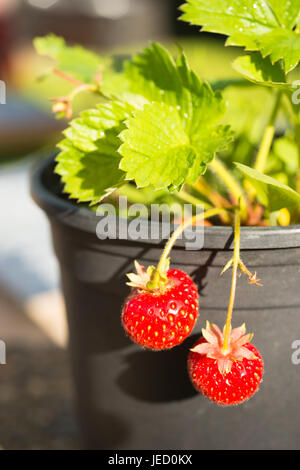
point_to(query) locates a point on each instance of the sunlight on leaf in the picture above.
(272, 193)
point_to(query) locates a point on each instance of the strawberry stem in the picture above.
(186, 197)
(67, 77)
(66, 101)
(160, 270)
(235, 265)
(202, 187)
(268, 137)
(266, 144)
(231, 183)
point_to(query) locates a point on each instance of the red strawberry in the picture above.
(225, 378)
(163, 317)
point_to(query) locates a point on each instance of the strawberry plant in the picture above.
(158, 133)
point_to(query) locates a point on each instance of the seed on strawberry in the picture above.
(161, 317)
(225, 377)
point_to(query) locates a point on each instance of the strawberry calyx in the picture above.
(213, 347)
(149, 279)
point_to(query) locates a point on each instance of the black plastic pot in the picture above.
(129, 398)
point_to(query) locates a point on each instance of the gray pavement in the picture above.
(27, 262)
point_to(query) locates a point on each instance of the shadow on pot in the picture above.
(158, 376)
(200, 274)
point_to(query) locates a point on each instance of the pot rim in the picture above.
(218, 238)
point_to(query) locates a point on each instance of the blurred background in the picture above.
(35, 390)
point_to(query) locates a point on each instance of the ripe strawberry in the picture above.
(225, 378)
(162, 317)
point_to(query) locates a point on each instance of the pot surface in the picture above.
(130, 398)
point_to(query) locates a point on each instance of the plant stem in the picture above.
(186, 197)
(81, 88)
(170, 243)
(64, 103)
(231, 183)
(268, 137)
(292, 109)
(297, 139)
(215, 198)
(67, 77)
(235, 264)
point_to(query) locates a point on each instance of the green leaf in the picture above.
(158, 151)
(207, 145)
(113, 83)
(222, 84)
(156, 67)
(287, 152)
(175, 129)
(90, 177)
(242, 20)
(261, 25)
(286, 11)
(199, 106)
(50, 45)
(89, 160)
(282, 44)
(260, 70)
(272, 193)
(155, 76)
(76, 61)
(169, 124)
